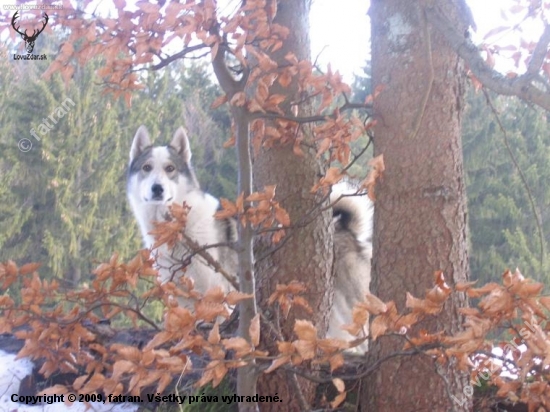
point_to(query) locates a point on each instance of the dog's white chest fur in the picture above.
(202, 228)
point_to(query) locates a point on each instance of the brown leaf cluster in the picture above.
(138, 37)
(375, 175)
(283, 121)
(336, 134)
(62, 328)
(260, 210)
(170, 232)
(288, 296)
(309, 347)
(60, 333)
(515, 304)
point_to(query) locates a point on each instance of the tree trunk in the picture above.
(420, 212)
(306, 254)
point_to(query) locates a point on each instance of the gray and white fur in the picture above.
(161, 175)
(352, 217)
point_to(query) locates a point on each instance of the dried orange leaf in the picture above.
(305, 330)
(214, 335)
(254, 330)
(29, 268)
(235, 297)
(339, 384)
(219, 101)
(338, 400)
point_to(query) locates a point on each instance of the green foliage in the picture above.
(63, 203)
(504, 231)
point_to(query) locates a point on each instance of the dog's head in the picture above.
(160, 175)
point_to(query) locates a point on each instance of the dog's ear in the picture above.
(180, 142)
(140, 143)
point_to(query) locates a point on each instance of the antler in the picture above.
(43, 27)
(24, 34)
(13, 24)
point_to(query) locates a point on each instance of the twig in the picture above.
(539, 54)
(298, 391)
(366, 372)
(447, 384)
(166, 61)
(510, 365)
(195, 247)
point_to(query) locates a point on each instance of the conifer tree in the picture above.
(506, 172)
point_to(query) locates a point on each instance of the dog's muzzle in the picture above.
(157, 191)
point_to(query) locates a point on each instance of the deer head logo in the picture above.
(29, 40)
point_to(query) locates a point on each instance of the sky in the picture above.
(333, 23)
(340, 31)
(340, 34)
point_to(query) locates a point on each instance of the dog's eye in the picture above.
(170, 169)
(147, 168)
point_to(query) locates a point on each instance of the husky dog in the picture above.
(160, 176)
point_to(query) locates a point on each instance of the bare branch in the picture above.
(520, 86)
(310, 119)
(370, 369)
(539, 54)
(166, 61)
(228, 83)
(195, 247)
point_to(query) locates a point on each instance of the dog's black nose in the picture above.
(157, 191)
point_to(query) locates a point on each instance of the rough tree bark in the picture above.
(306, 255)
(420, 213)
